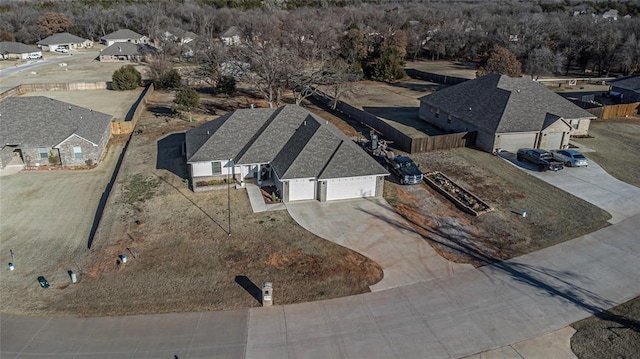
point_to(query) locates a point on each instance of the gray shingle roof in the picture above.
(122, 34)
(41, 121)
(128, 49)
(61, 38)
(232, 31)
(631, 83)
(7, 47)
(297, 143)
(500, 104)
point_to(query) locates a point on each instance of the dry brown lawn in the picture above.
(186, 259)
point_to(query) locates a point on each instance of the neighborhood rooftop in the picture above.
(39, 121)
(122, 34)
(127, 48)
(297, 143)
(7, 47)
(500, 103)
(61, 38)
(631, 83)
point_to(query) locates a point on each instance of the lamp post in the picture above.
(229, 195)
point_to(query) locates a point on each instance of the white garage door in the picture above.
(351, 187)
(300, 189)
(511, 142)
(554, 141)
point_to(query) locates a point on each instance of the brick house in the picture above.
(33, 129)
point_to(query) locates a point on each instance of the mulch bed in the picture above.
(267, 193)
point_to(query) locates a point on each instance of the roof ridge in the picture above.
(258, 133)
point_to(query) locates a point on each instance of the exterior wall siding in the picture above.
(31, 156)
(6, 155)
(582, 127)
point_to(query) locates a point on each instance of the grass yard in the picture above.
(185, 260)
(553, 216)
(616, 143)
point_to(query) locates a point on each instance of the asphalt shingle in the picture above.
(502, 104)
(122, 34)
(61, 38)
(297, 143)
(42, 121)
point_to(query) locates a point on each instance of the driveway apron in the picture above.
(373, 228)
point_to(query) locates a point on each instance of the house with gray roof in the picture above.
(506, 113)
(18, 50)
(64, 40)
(232, 36)
(33, 129)
(626, 89)
(124, 35)
(126, 51)
(306, 157)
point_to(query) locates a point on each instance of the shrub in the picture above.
(226, 85)
(126, 78)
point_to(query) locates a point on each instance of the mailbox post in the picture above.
(267, 294)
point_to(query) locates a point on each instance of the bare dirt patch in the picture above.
(179, 254)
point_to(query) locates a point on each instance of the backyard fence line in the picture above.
(431, 77)
(128, 125)
(72, 86)
(399, 139)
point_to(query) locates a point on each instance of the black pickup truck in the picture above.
(404, 168)
(541, 158)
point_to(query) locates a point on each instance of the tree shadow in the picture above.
(250, 287)
(554, 283)
(170, 155)
(105, 196)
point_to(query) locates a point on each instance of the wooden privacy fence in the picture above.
(443, 142)
(400, 140)
(613, 111)
(131, 119)
(431, 77)
(73, 86)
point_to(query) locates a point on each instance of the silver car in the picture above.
(570, 158)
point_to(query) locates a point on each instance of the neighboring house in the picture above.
(306, 157)
(611, 14)
(35, 128)
(126, 51)
(626, 89)
(124, 35)
(18, 50)
(233, 36)
(507, 113)
(65, 40)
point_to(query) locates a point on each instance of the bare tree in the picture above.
(51, 23)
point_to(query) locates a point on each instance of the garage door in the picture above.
(351, 187)
(511, 142)
(554, 141)
(301, 189)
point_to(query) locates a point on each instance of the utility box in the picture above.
(267, 294)
(74, 278)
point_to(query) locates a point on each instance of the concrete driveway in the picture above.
(591, 184)
(373, 228)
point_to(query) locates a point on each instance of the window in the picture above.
(216, 167)
(77, 153)
(43, 152)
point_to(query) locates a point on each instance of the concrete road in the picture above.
(373, 228)
(463, 314)
(593, 184)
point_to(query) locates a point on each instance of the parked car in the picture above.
(43, 282)
(570, 158)
(35, 56)
(61, 49)
(541, 158)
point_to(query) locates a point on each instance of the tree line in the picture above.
(296, 45)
